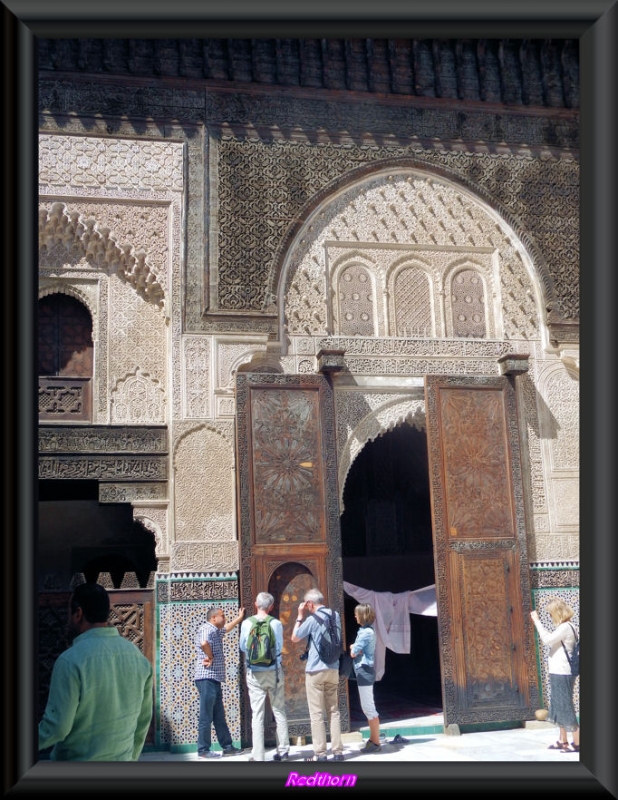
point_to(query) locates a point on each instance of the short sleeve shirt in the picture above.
(214, 636)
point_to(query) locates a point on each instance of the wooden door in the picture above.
(288, 510)
(481, 565)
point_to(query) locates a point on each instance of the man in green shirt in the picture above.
(100, 696)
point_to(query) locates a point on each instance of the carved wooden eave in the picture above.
(542, 73)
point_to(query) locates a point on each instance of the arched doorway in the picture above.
(387, 546)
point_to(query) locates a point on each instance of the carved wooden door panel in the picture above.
(482, 573)
(288, 510)
(132, 612)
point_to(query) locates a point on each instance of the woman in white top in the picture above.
(561, 682)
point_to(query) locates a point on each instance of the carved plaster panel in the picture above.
(196, 360)
(202, 556)
(137, 362)
(98, 163)
(565, 500)
(232, 353)
(226, 406)
(204, 486)
(554, 546)
(137, 398)
(557, 402)
(561, 429)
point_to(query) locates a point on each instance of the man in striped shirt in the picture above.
(209, 675)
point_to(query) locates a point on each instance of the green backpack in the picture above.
(261, 644)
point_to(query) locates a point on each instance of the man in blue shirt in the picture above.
(321, 680)
(209, 675)
(100, 696)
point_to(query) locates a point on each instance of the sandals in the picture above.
(574, 748)
(559, 746)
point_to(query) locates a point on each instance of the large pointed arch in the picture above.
(505, 233)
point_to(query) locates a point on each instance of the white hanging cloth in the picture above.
(392, 611)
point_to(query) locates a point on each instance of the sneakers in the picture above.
(280, 757)
(338, 757)
(371, 747)
(209, 754)
(232, 751)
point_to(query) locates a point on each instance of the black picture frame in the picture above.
(595, 23)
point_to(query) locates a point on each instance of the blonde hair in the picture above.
(365, 614)
(559, 611)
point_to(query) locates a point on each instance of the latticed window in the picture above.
(413, 309)
(65, 354)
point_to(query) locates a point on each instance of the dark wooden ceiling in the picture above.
(514, 72)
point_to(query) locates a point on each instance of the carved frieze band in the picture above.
(427, 348)
(116, 468)
(85, 439)
(199, 588)
(123, 493)
(554, 578)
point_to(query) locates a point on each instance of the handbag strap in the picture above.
(566, 652)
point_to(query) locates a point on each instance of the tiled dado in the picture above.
(182, 601)
(550, 580)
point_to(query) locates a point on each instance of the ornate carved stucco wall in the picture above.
(109, 235)
(397, 197)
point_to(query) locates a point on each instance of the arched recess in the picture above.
(84, 240)
(65, 358)
(367, 428)
(407, 207)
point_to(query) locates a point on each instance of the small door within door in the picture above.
(288, 510)
(482, 574)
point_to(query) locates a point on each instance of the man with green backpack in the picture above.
(261, 640)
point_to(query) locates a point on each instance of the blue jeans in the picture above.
(211, 713)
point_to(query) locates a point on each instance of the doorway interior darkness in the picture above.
(387, 546)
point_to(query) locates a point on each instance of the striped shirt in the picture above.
(214, 636)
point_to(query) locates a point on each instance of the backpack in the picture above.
(573, 659)
(329, 645)
(261, 644)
